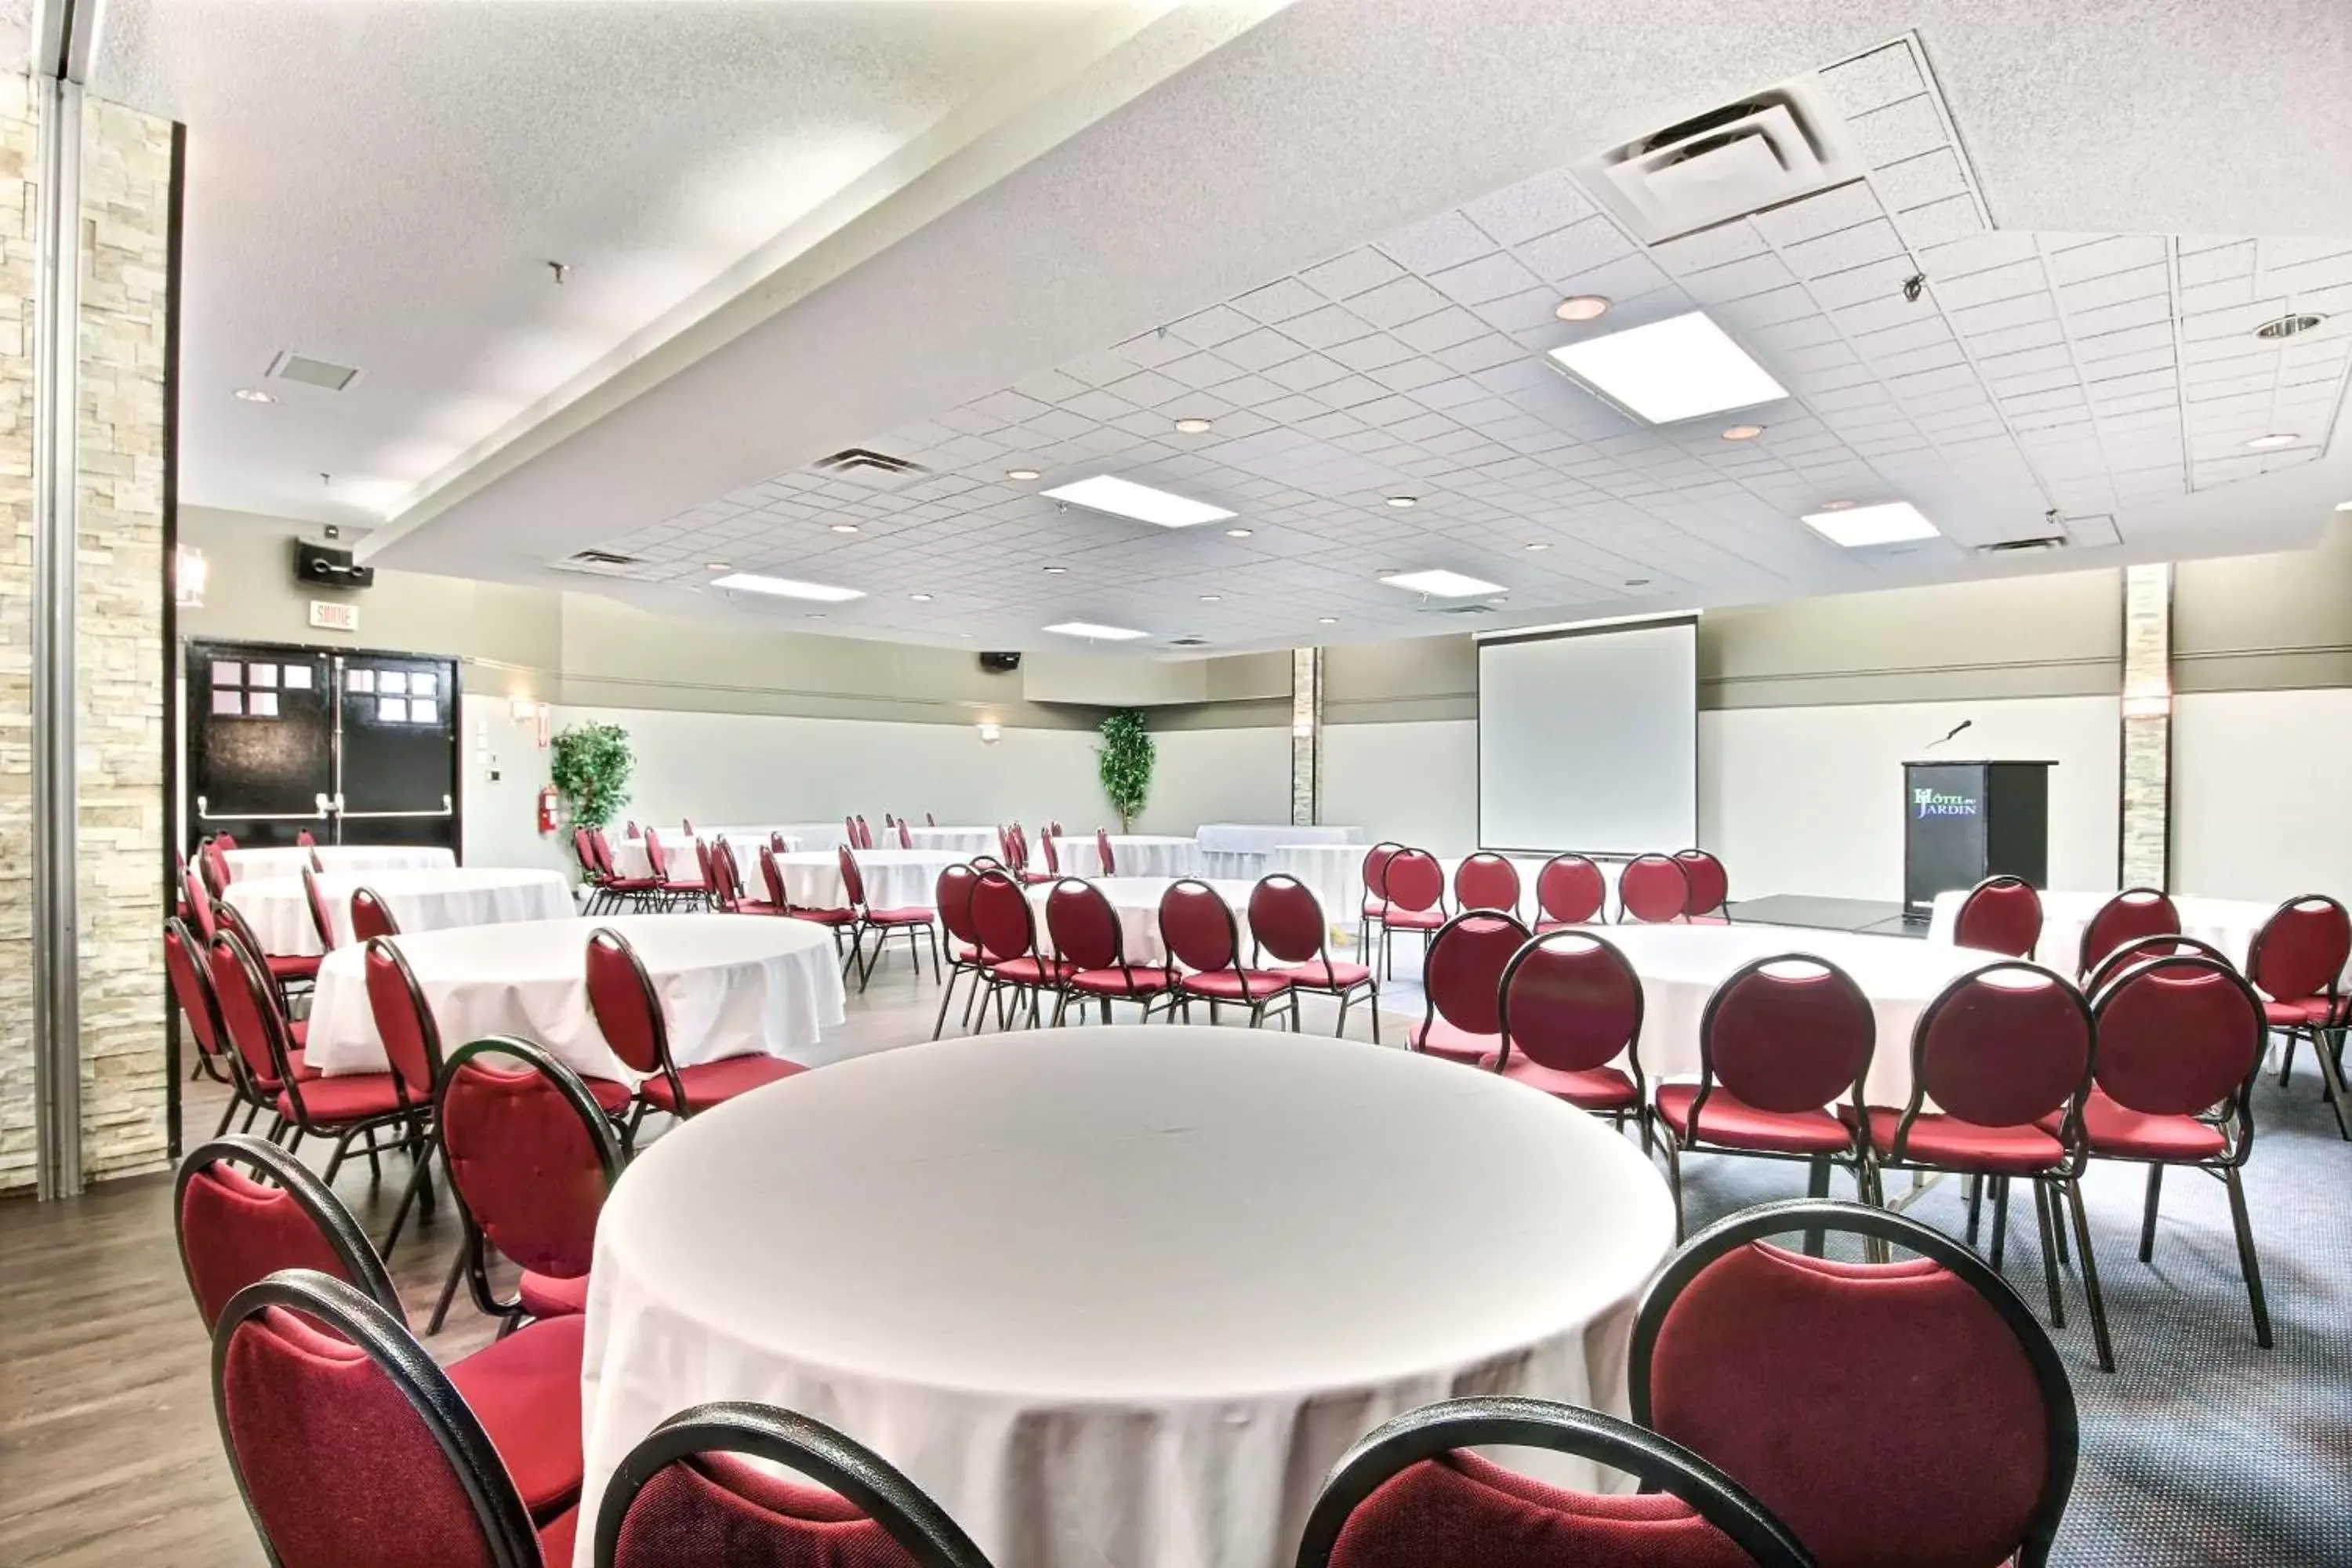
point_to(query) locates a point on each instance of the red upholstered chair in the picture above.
(2180, 1039)
(629, 1014)
(849, 832)
(1486, 882)
(2133, 913)
(1287, 924)
(373, 1107)
(1413, 899)
(865, 834)
(1047, 850)
(1652, 890)
(352, 1448)
(302, 838)
(1567, 1006)
(776, 842)
(322, 919)
(1087, 935)
(1201, 934)
(1103, 854)
(687, 1495)
(371, 918)
(668, 891)
(840, 922)
(906, 835)
(1007, 929)
(236, 1229)
(1376, 899)
(2001, 914)
(195, 900)
(1909, 1412)
(530, 1158)
(686, 824)
(702, 865)
(930, 821)
(212, 858)
(914, 920)
(953, 892)
(1414, 1495)
(1782, 1040)
(1709, 884)
(1570, 891)
(1461, 985)
(412, 1044)
(2297, 962)
(192, 989)
(637, 892)
(290, 973)
(2005, 1053)
(633, 827)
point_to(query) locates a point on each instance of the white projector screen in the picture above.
(1589, 740)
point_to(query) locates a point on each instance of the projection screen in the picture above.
(1588, 739)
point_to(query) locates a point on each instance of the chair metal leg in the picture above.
(1975, 1207)
(421, 1179)
(2147, 1219)
(2331, 1073)
(1999, 1220)
(2091, 1276)
(449, 1289)
(2247, 1263)
(2286, 1056)
(1674, 1182)
(1817, 1185)
(2042, 1201)
(228, 1114)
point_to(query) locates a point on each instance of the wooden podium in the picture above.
(1963, 822)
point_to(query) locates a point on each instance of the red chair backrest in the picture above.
(906, 837)
(776, 842)
(1486, 882)
(1709, 883)
(603, 849)
(227, 841)
(530, 1156)
(2178, 1035)
(1002, 918)
(1568, 1000)
(702, 864)
(2131, 914)
(1413, 880)
(686, 825)
(191, 987)
(322, 919)
(200, 903)
(953, 893)
(582, 852)
(628, 1010)
(633, 827)
(1198, 927)
(849, 831)
(1462, 976)
(214, 860)
(930, 821)
(1651, 890)
(2003, 1045)
(2001, 914)
(248, 1010)
(1570, 890)
(1376, 871)
(1285, 921)
(656, 862)
(853, 881)
(774, 875)
(234, 1230)
(1053, 856)
(302, 837)
(1102, 852)
(2301, 950)
(864, 835)
(1084, 926)
(1787, 1034)
(412, 1039)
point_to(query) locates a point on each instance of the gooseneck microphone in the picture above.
(1949, 733)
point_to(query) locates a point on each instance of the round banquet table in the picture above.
(1681, 965)
(730, 985)
(1133, 854)
(287, 860)
(1119, 1295)
(279, 912)
(2229, 924)
(1137, 901)
(895, 879)
(962, 841)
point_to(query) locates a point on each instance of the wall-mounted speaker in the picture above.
(324, 566)
(1000, 663)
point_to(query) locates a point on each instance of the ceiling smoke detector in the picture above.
(1770, 147)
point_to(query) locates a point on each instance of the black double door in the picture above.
(353, 747)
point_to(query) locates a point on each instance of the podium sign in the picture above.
(1963, 822)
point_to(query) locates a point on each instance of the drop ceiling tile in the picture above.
(1279, 302)
(1625, 279)
(1899, 131)
(2115, 288)
(1878, 280)
(1490, 277)
(1148, 389)
(2095, 348)
(1846, 207)
(1394, 304)
(1726, 242)
(1779, 307)
(2153, 310)
(1356, 272)
(1441, 329)
(1739, 280)
(1480, 353)
(1195, 369)
(1531, 208)
(1578, 248)
(1437, 243)
(2209, 261)
(1932, 176)
(1410, 375)
(1938, 223)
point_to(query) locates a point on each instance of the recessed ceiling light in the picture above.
(1020, 473)
(813, 616)
(1891, 522)
(786, 588)
(1534, 544)
(1125, 497)
(1211, 598)
(2273, 442)
(1743, 432)
(1100, 633)
(845, 528)
(1403, 501)
(1237, 533)
(1056, 571)
(920, 598)
(1679, 368)
(1581, 308)
(1441, 584)
(1326, 620)
(716, 566)
(2288, 327)
(1193, 426)
(2344, 506)
(253, 394)
(1837, 506)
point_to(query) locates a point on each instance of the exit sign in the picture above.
(334, 617)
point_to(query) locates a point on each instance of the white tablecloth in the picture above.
(895, 879)
(731, 985)
(279, 912)
(964, 841)
(2229, 924)
(1681, 965)
(629, 858)
(1263, 838)
(1119, 1296)
(1137, 901)
(807, 835)
(289, 861)
(1133, 855)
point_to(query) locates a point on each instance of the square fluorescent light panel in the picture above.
(1442, 584)
(1101, 634)
(1125, 497)
(1891, 523)
(1679, 368)
(786, 588)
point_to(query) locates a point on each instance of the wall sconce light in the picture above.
(189, 572)
(523, 709)
(989, 732)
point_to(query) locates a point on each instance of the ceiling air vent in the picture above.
(2023, 546)
(1187, 642)
(291, 366)
(1771, 147)
(1461, 610)
(874, 470)
(601, 562)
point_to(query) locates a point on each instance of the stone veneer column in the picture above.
(19, 220)
(2147, 815)
(1305, 736)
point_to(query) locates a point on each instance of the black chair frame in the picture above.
(2131, 952)
(2326, 1040)
(334, 1217)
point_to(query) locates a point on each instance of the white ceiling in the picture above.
(1270, 201)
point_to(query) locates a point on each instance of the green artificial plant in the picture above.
(591, 765)
(1126, 754)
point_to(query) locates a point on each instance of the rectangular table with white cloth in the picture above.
(2229, 924)
(1246, 848)
(1133, 855)
(278, 908)
(287, 860)
(730, 985)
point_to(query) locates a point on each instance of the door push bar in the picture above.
(204, 811)
(448, 809)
